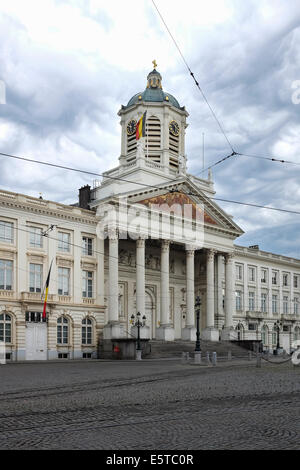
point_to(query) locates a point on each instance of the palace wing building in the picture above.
(108, 265)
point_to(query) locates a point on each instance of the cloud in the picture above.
(69, 66)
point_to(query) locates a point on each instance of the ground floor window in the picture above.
(5, 328)
(62, 330)
(87, 331)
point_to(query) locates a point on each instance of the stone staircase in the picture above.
(163, 349)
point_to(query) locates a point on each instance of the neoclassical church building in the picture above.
(147, 238)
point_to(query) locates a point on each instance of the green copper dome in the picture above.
(154, 92)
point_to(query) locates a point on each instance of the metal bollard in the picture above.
(258, 360)
(183, 358)
(229, 356)
(187, 357)
(214, 359)
(207, 357)
(250, 355)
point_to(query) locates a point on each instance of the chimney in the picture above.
(84, 197)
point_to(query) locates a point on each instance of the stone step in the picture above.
(176, 348)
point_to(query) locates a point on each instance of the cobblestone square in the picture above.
(155, 405)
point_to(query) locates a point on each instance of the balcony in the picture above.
(289, 317)
(37, 297)
(7, 294)
(65, 299)
(253, 314)
(88, 301)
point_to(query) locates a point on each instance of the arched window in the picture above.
(87, 331)
(62, 330)
(265, 335)
(5, 328)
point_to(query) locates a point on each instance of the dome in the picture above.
(154, 92)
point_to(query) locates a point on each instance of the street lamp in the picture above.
(138, 323)
(197, 307)
(277, 326)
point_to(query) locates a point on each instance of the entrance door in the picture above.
(36, 341)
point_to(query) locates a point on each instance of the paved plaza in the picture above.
(153, 404)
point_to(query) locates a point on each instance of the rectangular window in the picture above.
(264, 276)
(285, 304)
(285, 280)
(35, 277)
(35, 237)
(251, 301)
(64, 242)
(263, 302)
(252, 327)
(63, 281)
(252, 274)
(87, 246)
(296, 305)
(6, 232)
(296, 282)
(274, 277)
(6, 274)
(274, 304)
(239, 272)
(87, 284)
(238, 299)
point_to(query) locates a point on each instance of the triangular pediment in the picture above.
(177, 195)
(175, 202)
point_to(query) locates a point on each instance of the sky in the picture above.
(69, 65)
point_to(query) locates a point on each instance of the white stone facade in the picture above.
(98, 282)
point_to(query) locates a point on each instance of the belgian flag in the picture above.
(141, 127)
(46, 293)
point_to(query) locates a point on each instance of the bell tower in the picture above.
(162, 149)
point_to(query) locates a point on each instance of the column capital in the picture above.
(190, 249)
(140, 243)
(210, 254)
(229, 257)
(113, 234)
(165, 245)
(190, 253)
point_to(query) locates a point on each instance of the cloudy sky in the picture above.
(68, 65)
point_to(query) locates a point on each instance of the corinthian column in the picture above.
(140, 276)
(112, 329)
(166, 330)
(164, 283)
(189, 332)
(210, 332)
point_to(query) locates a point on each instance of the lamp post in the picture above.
(277, 325)
(197, 307)
(138, 325)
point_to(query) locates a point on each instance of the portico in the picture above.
(178, 268)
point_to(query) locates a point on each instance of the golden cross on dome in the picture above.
(154, 63)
